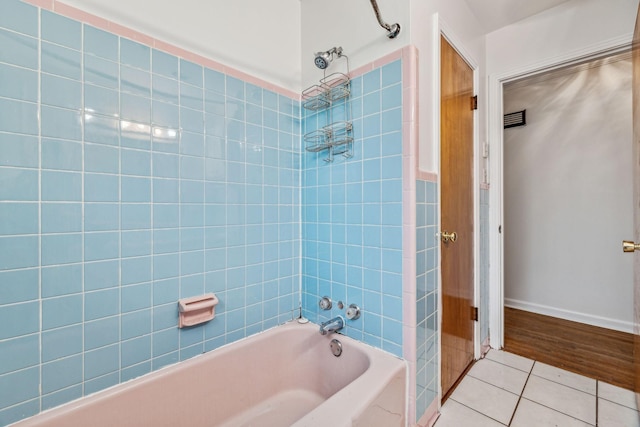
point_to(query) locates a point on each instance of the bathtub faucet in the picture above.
(333, 325)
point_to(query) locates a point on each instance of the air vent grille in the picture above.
(512, 120)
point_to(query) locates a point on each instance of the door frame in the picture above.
(496, 84)
(440, 28)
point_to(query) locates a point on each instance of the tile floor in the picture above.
(508, 390)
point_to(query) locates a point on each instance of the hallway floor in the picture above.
(504, 389)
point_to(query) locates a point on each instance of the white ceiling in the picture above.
(494, 14)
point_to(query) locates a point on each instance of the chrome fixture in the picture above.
(353, 312)
(323, 59)
(333, 325)
(325, 303)
(340, 305)
(336, 347)
(393, 29)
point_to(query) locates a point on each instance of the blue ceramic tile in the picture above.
(101, 216)
(165, 64)
(28, 312)
(18, 49)
(135, 351)
(61, 217)
(62, 396)
(192, 97)
(18, 117)
(214, 103)
(19, 16)
(165, 165)
(392, 97)
(136, 108)
(135, 243)
(102, 245)
(61, 123)
(61, 61)
(101, 72)
(165, 291)
(135, 216)
(61, 186)
(371, 81)
(20, 386)
(136, 189)
(371, 103)
(61, 280)
(18, 286)
(190, 73)
(60, 30)
(165, 90)
(165, 191)
(392, 73)
(100, 43)
(165, 241)
(165, 216)
(166, 115)
(101, 158)
(103, 274)
(61, 92)
(135, 54)
(18, 218)
(19, 353)
(101, 304)
(135, 162)
(137, 82)
(391, 190)
(61, 373)
(136, 324)
(215, 125)
(61, 342)
(18, 150)
(61, 311)
(135, 297)
(102, 130)
(101, 188)
(18, 83)
(214, 80)
(61, 249)
(165, 266)
(101, 361)
(191, 120)
(100, 100)
(391, 144)
(392, 120)
(101, 383)
(192, 144)
(235, 88)
(18, 252)
(100, 333)
(135, 270)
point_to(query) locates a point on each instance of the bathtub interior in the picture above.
(272, 378)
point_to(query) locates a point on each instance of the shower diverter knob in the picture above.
(353, 312)
(325, 303)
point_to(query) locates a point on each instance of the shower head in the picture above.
(322, 59)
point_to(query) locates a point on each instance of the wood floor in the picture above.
(599, 353)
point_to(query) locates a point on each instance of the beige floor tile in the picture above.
(486, 399)
(617, 395)
(531, 414)
(499, 375)
(579, 382)
(512, 360)
(614, 415)
(567, 400)
(453, 414)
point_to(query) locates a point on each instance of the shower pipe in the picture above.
(393, 30)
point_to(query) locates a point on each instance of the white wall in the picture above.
(568, 28)
(568, 196)
(351, 24)
(457, 18)
(259, 37)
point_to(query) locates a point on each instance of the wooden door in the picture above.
(456, 170)
(636, 199)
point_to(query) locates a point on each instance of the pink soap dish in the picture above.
(196, 310)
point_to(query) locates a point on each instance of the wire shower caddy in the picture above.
(330, 100)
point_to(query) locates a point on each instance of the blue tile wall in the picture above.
(352, 215)
(427, 361)
(130, 178)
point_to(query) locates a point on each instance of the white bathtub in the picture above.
(286, 376)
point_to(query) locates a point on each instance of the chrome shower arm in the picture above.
(393, 30)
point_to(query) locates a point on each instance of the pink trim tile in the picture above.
(430, 415)
(80, 15)
(427, 176)
(485, 186)
(387, 59)
(362, 70)
(45, 4)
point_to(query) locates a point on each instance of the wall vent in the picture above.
(512, 120)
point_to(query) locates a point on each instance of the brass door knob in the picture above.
(629, 246)
(445, 236)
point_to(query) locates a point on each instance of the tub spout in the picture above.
(332, 325)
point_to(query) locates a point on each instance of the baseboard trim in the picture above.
(603, 322)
